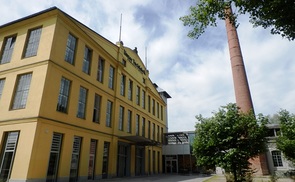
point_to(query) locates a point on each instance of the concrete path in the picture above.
(185, 178)
(162, 178)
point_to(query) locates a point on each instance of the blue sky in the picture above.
(196, 73)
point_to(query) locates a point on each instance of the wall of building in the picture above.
(39, 120)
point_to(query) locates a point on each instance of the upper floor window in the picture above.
(70, 49)
(121, 118)
(96, 108)
(63, 97)
(7, 49)
(87, 60)
(82, 103)
(129, 121)
(158, 110)
(138, 95)
(153, 106)
(109, 114)
(111, 77)
(123, 83)
(162, 113)
(149, 104)
(22, 91)
(143, 127)
(277, 158)
(100, 70)
(143, 99)
(137, 125)
(32, 43)
(2, 81)
(130, 89)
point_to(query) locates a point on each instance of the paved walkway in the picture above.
(185, 178)
(162, 178)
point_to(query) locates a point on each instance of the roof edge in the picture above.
(29, 16)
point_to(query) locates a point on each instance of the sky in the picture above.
(196, 73)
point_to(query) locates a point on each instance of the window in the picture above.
(8, 152)
(32, 44)
(143, 127)
(92, 156)
(109, 114)
(161, 135)
(121, 118)
(82, 103)
(100, 69)
(87, 60)
(153, 106)
(149, 129)
(143, 99)
(123, 83)
(54, 157)
(63, 97)
(162, 113)
(138, 95)
(137, 125)
(129, 121)
(105, 160)
(154, 131)
(2, 81)
(111, 77)
(70, 49)
(149, 103)
(158, 110)
(96, 109)
(124, 62)
(22, 91)
(277, 158)
(7, 49)
(130, 89)
(158, 133)
(75, 159)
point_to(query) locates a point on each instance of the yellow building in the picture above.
(73, 105)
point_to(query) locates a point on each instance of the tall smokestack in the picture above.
(242, 91)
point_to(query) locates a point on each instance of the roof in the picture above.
(30, 16)
(176, 137)
(160, 90)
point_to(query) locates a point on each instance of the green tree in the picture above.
(279, 15)
(286, 141)
(229, 139)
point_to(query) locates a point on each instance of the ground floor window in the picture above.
(139, 161)
(277, 158)
(105, 160)
(75, 159)
(8, 152)
(92, 156)
(54, 157)
(123, 161)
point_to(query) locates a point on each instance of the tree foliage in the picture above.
(278, 15)
(229, 139)
(286, 141)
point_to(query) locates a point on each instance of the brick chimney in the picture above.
(242, 91)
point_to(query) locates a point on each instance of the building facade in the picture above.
(177, 153)
(73, 105)
(277, 163)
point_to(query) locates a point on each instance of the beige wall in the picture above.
(39, 119)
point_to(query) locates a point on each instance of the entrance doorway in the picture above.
(123, 161)
(171, 164)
